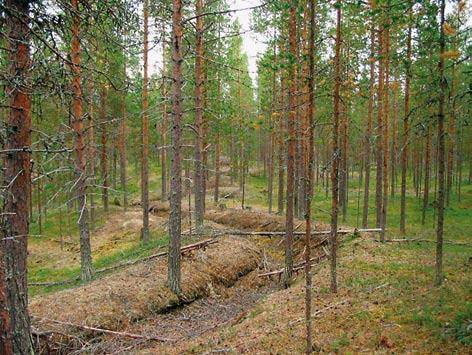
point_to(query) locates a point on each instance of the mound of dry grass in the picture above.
(115, 301)
(252, 220)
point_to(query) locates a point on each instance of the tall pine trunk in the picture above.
(427, 171)
(80, 167)
(175, 217)
(91, 154)
(103, 155)
(271, 153)
(122, 144)
(385, 140)
(145, 132)
(335, 156)
(291, 142)
(368, 140)
(309, 157)
(406, 128)
(441, 150)
(15, 333)
(281, 146)
(379, 145)
(164, 123)
(198, 180)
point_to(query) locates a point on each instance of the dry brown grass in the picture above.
(252, 220)
(115, 301)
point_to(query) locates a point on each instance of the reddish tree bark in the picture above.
(15, 333)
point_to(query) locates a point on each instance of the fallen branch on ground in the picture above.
(276, 233)
(296, 267)
(320, 311)
(104, 331)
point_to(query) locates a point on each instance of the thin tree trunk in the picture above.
(335, 157)
(309, 160)
(291, 142)
(164, 124)
(427, 170)
(39, 200)
(281, 144)
(15, 333)
(198, 180)
(386, 141)
(217, 137)
(394, 154)
(145, 132)
(441, 150)
(175, 222)
(104, 157)
(452, 139)
(80, 166)
(343, 193)
(122, 145)
(380, 96)
(271, 153)
(368, 141)
(91, 155)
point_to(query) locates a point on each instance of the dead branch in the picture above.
(276, 233)
(105, 331)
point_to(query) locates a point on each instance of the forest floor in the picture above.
(386, 301)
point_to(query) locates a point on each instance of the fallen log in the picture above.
(276, 233)
(184, 249)
(104, 331)
(296, 267)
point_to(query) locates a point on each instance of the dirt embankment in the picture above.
(115, 301)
